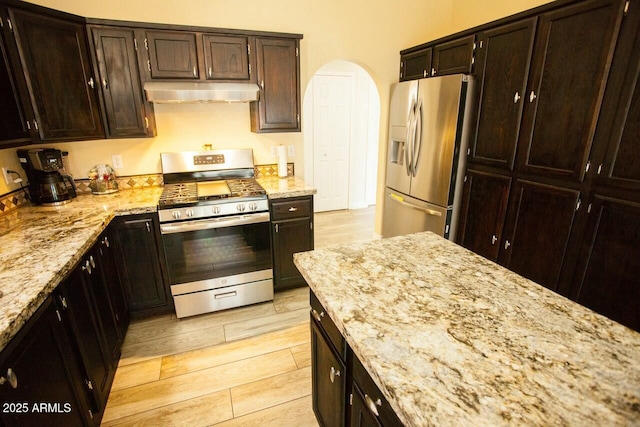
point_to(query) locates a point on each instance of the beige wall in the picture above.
(367, 32)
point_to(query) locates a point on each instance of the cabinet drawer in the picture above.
(321, 318)
(291, 208)
(373, 397)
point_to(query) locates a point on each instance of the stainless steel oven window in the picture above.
(217, 252)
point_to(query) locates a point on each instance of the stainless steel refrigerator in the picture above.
(428, 127)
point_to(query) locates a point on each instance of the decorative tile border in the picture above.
(13, 200)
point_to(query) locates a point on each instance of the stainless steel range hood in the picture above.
(188, 92)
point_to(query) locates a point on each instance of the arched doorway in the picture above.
(341, 136)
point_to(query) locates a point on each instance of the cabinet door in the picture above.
(139, 263)
(415, 65)
(290, 237)
(328, 379)
(79, 308)
(483, 210)
(114, 287)
(568, 74)
(226, 57)
(537, 231)
(502, 68)
(13, 120)
(361, 415)
(608, 277)
(172, 55)
(59, 76)
(120, 81)
(41, 361)
(278, 109)
(453, 57)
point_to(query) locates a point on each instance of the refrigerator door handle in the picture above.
(408, 154)
(400, 200)
(417, 137)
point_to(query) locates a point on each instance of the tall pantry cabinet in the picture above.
(552, 182)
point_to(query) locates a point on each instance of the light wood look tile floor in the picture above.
(249, 366)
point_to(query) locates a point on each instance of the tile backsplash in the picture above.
(16, 198)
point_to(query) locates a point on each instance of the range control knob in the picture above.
(176, 214)
(189, 213)
(216, 210)
(253, 206)
(240, 207)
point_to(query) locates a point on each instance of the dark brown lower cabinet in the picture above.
(537, 231)
(609, 267)
(343, 393)
(292, 231)
(137, 246)
(44, 386)
(484, 205)
(328, 380)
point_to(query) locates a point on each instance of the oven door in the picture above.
(210, 250)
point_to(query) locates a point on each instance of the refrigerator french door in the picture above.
(428, 134)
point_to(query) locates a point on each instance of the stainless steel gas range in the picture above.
(214, 219)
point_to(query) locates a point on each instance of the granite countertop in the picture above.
(292, 186)
(40, 245)
(452, 338)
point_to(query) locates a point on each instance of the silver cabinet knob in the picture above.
(333, 374)
(507, 244)
(316, 315)
(532, 96)
(11, 378)
(494, 239)
(373, 405)
(516, 98)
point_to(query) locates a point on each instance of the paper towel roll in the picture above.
(282, 161)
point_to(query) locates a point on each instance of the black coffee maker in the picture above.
(48, 185)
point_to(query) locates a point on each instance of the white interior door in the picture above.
(332, 97)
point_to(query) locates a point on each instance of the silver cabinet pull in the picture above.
(148, 227)
(91, 83)
(210, 73)
(87, 267)
(333, 374)
(516, 98)
(532, 96)
(316, 315)
(373, 405)
(106, 241)
(494, 239)
(92, 261)
(262, 84)
(195, 72)
(11, 378)
(104, 83)
(293, 209)
(507, 244)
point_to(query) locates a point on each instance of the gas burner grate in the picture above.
(245, 187)
(179, 193)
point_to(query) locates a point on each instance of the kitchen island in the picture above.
(452, 338)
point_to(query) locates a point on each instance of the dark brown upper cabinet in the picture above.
(415, 65)
(618, 133)
(502, 67)
(278, 75)
(172, 54)
(484, 206)
(62, 89)
(537, 230)
(571, 59)
(453, 57)
(226, 57)
(14, 123)
(125, 111)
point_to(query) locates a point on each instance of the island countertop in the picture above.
(452, 338)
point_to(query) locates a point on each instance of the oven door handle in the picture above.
(211, 223)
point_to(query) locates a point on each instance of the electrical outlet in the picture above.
(291, 151)
(6, 176)
(274, 150)
(117, 161)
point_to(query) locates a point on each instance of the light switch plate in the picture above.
(291, 151)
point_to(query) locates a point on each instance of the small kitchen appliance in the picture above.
(49, 184)
(214, 220)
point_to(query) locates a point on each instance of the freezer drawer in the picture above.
(405, 215)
